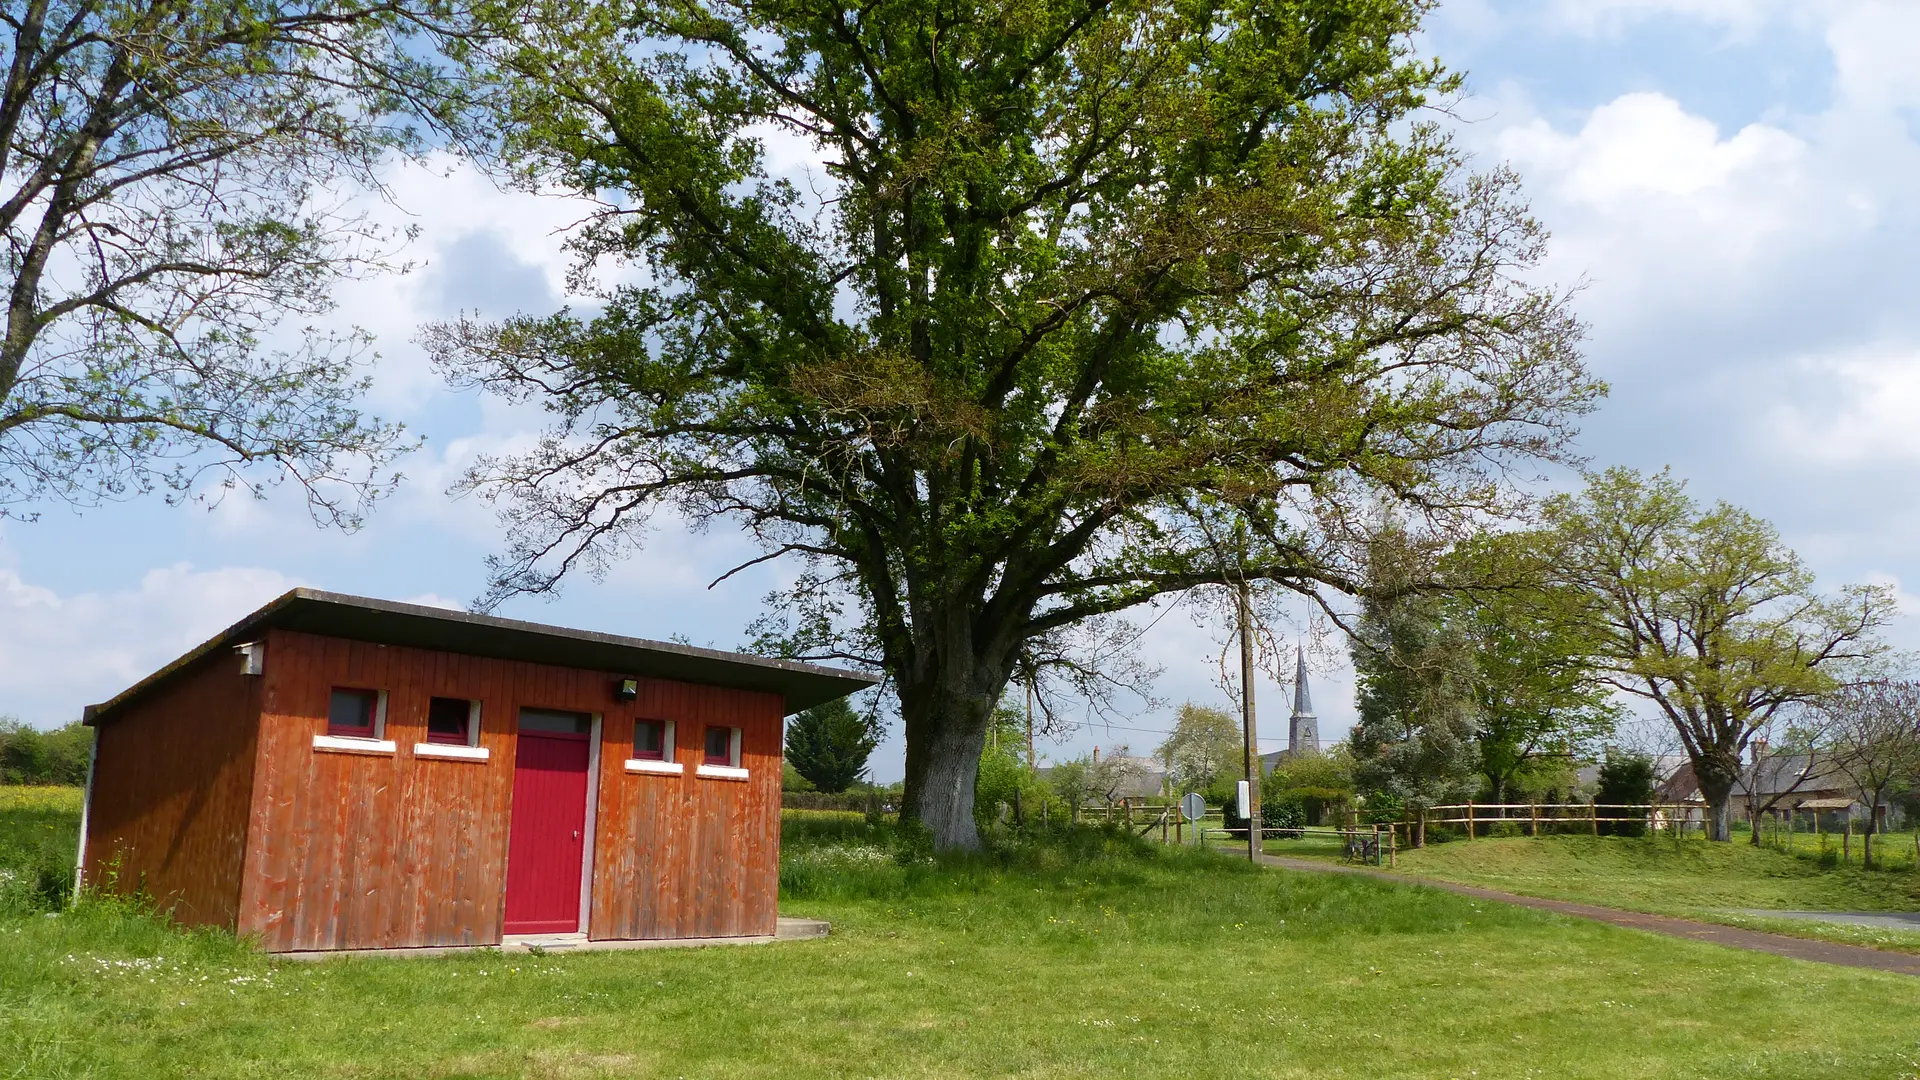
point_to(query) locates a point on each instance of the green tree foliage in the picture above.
(829, 745)
(1536, 685)
(1414, 736)
(1073, 781)
(1705, 614)
(1004, 770)
(1311, 783)
(31, 756)
(172, 177)
(1205, 745)
(1626, 779)
(1078, 289)
(791, 780)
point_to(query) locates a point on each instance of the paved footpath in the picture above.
(1826, 952)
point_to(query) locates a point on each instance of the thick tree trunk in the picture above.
(946, 716)
(943, 761)
(1717, 788)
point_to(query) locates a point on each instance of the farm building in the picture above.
(334, 772)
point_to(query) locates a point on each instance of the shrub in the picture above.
(31, 756)
(1275, 814)
(1383, 808)
(1281, 815)
(1625, 779)
(1001, 775)
(859, 802)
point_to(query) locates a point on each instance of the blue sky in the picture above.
(1730, 182)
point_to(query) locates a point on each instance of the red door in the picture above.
(547, 841)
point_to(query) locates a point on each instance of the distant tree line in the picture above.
(1496, 664)
(31, 756)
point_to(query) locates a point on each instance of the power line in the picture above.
(1084, 724)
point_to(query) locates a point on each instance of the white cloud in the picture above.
(1656, 207)
(1874, 53)
(1866, 414)
(59, 653)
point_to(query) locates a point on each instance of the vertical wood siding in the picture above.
(393, 851)
(172, 780)
(689, 856)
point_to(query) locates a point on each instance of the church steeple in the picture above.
(1303, 728)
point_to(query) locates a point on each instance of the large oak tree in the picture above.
(1086, 302)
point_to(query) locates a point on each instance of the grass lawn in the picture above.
(1081, 955)
(39, 834)
(1695, 879)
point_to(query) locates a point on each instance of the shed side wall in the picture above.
(398, 851)
(172, 780)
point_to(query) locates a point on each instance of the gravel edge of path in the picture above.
(1823, 952)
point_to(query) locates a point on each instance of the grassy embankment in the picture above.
(1080, 955)
(1693, 879)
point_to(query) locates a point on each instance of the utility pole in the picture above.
(1252, 753)
(1032, 762)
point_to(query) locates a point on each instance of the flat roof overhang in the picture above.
(387, 622)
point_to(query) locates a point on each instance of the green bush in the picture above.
(1625, 780)
(31, 756)
(1275, 814)
(1281, 815)
(1001, 775)
(1383, 808)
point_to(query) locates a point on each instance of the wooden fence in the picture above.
(1561, 817)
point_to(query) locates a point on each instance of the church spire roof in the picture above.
(1302, 701)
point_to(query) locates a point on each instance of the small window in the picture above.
(354, 714)
(653, 740)
(450, 721)
(723, 746)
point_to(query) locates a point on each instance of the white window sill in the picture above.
(649, 765)
(450, 751)
(721, 772)
(352, 744)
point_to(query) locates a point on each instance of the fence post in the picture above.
(1533, 808)
(1393, 846)
(1846, 842)
(1469, 820)
(1593, 815)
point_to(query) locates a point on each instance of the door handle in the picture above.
(576, 834)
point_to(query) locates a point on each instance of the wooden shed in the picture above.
(334, 772)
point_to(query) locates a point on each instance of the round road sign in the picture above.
(1193, 807)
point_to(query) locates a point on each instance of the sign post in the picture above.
(1192, 808)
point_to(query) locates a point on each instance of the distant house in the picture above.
(1139, 777)
(333, 772)
(1785, 782)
